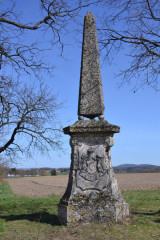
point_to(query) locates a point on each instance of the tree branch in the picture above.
(151, 11)
(11, 140)
(21, 26)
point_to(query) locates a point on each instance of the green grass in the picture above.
(25, 218)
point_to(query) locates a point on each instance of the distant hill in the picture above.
(126, 165)
(123, 168)
(134, 168)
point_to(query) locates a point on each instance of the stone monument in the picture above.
(92, 193)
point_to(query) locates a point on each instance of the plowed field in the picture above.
(46, 186)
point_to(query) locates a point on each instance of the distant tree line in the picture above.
(13, 172)
(137, 169)
(6, 171)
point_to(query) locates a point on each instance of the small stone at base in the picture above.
(101, 117)
(81, 118)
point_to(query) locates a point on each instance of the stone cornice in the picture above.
(91, 126)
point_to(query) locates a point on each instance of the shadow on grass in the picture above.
(147, 213)
(155, 214)
(42, 217)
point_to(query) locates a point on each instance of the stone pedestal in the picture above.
(92, 193)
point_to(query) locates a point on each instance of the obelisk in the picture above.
(92, 194)
(91, 102)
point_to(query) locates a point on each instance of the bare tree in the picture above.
(134, 26)
(28, 119)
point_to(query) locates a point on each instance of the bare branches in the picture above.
(22, 55)
(55, 12)
(151, 11)
(134, 26)
(29, 114)
(12, 138)
(23, 58)
(21, 26)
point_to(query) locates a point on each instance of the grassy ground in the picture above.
(25, 218)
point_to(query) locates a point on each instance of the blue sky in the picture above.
(137, 114)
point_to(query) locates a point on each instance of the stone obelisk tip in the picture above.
(91, 103)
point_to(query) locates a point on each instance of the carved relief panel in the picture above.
(91, 167)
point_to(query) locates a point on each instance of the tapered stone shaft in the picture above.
(91, 103)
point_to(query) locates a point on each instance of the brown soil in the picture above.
(46, 186)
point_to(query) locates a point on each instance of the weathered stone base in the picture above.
(92, 194)
(90, 209)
